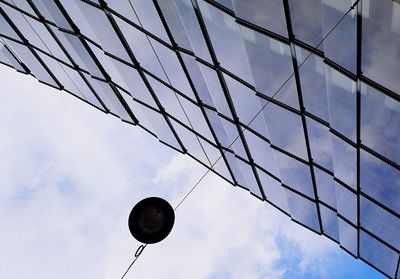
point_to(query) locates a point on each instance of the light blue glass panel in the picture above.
(286, 130)
(380, 42)
(149, 18)
(267, 14)
(142, 49)
(380, 123)
(348, 237)
(307, 21)
(329, 220)
(344, 161)
(295, 174)
(50, 11)
(270, 61)
(313, 84)
(380, 222)
(320, 143)
(379, 255)
(125, 8)
(346, 203)
(342, 102)
(172, 68)
(274, 191)
(7, 58)
(340, 44)
(225, 33)
(175, 25)
(192, 27)
(261, 153)
(325, 187)
(380, 181)
(303, 210)
(6, 29)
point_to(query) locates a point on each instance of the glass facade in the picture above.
(297, 102)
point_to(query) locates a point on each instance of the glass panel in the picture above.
(30, 60)
(7, 58)
(6, 29)
(192, 28)
(78, 52)
(329, 220)
(346, 203)
(295, 174)
(168, 100)
(197, 78)
(50, 11)
(380, 42)
(348, 237)
(244, 99)
(261, 153)
(342, 102)
(303, 210)
(380, 222)
(320, 143)
(267, 14)
(173, 69)
(344, 161)
(249, 177)
(340, 45)
(190, 142)
(215, 89)
(376, 253)
(270, 62)
(149, 19)
(286, 130)
(23, 5)
(102, 28)
(313, 84)
(142, 49)
(225, 33)
(174, 22)
(221, 168)
(274, 191)
(306, 21)
(380, 118)
(153, 121)
(380, 181)
(325, 187)
(124, 7)
(197, 119)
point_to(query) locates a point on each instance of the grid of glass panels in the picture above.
(296, 101)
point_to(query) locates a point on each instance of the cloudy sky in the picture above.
(69, 176)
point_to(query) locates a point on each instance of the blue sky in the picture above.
(69, 176)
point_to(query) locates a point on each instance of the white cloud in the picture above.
(69, 176)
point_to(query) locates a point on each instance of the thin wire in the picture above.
(208, 170)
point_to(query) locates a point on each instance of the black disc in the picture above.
(151, 220)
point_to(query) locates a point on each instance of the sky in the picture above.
(70, 174)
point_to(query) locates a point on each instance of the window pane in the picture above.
(344, 161)
(261, 153)
(303, 210)
(381, 40)
(329, 222)
(348, 237)
(295, 174)
(346, 203)
(267, 14)
(274, 191)
(342, 103)
(380, 181)
(286, 130)
(306, 21)
(320, 143)
(325, 187)
(225, 33)
(380, 222)
(340, 45)
(376, 253)
(380, 118)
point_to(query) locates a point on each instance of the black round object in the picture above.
(151, 220)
